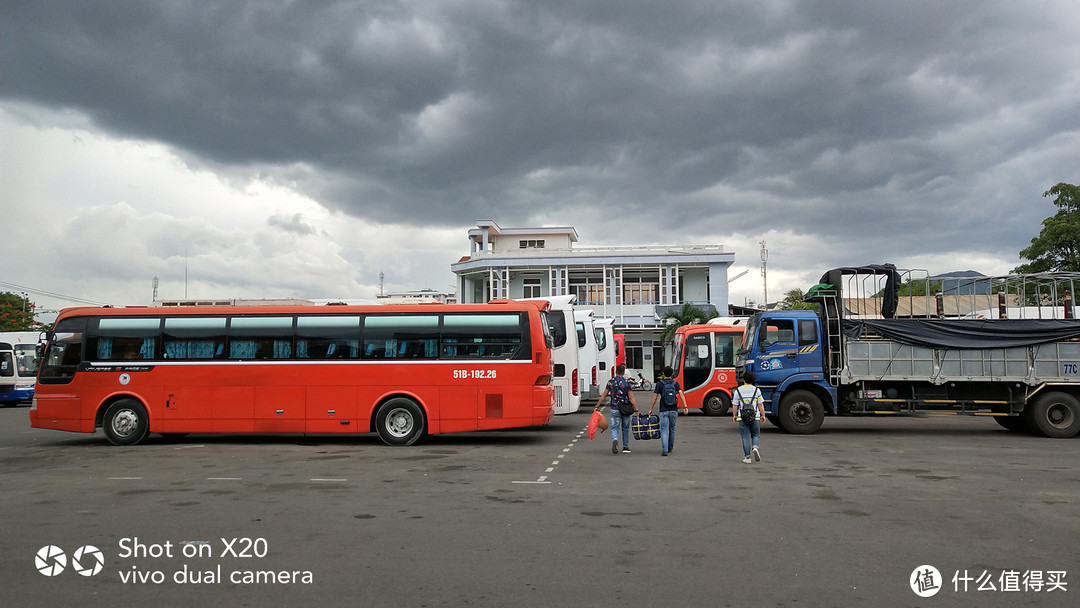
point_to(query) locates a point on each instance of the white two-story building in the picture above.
(634, 286)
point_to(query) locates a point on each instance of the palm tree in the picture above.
(687, 315)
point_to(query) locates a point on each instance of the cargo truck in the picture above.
(882, 343)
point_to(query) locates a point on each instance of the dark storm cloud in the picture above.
(720, 117)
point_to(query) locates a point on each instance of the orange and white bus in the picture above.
(401, 371)
(704, 365)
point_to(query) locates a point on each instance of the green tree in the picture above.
(17, 313)
(687, 315)
(1057, 248)
(793, 300)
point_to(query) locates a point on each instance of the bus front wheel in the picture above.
(716, 404)
(1055, 414)
(400, 422)
(801, 412)
(126, 422)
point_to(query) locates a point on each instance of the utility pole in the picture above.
(764, 273)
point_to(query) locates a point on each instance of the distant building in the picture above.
(633, 285)
(236, 302)
(419, 296)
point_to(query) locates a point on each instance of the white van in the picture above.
(604, 329)
(588, 359)
(564, 353)
(18, 366)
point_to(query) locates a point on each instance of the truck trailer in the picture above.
(883, 343)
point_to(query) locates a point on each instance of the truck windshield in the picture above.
(751, 331)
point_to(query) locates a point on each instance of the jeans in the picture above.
(620, 423)
(667, 430)
(749, 431)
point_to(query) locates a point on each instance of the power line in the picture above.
(51, 294)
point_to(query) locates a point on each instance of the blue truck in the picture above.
(882, 343)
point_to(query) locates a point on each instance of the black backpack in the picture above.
(748, 411)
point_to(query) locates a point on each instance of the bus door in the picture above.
(696, 361)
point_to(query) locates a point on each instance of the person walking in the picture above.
(748, 410)
(623, 407)
(668, 393)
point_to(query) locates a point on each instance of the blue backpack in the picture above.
(670, 393)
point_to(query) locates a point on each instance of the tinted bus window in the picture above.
(557, 326)
(329, 337)
(65, 352)
(484, 336)
(194, 337)
(401, 337)
(726, 347)
(260, 337)
(122, 338)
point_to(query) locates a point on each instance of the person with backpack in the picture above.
(748, 409)
(668, 392)
(623, 408)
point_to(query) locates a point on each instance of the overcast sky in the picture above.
(301, 148)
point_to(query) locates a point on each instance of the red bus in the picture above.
(704, 364)
(401, 371)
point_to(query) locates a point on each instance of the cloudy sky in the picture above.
(280, 148)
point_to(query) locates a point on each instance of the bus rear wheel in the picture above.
(1055, 415)
(716, 404)
(126, 422)
(400, 422)
(801, 413)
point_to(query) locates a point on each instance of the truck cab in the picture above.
(787, 353)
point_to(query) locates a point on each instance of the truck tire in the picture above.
(716, 403)
(1054, 414)
(801, 412)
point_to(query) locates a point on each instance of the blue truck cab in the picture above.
(788, 356)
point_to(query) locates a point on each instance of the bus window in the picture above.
(65, 352)
(122, 338)
(328, 337)
(194, 337)
(260, 337)
(726, 347)
(468, 336)
(401, 337)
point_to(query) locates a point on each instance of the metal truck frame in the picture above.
(882, 343)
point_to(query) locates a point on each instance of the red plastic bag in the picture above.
(597, 421)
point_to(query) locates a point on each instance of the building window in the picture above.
(589, 290)
(531, 287)
(531, 244)
(641, 290)
(635, 354)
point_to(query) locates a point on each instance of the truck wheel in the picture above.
(716, 404)
(801, 413)
(126, 422)
(1054, 415)
(400, 422)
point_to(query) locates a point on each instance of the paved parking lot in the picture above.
(543, 517)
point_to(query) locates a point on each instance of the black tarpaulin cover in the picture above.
(892, 283)
(967, 334)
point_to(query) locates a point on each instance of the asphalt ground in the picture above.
(544, 517)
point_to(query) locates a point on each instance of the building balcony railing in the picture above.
(604, 251)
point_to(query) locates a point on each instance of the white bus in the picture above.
(564, 353)
(588, 355)
(18, 366)
(604, 329)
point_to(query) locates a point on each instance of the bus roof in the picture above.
(330, 309)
